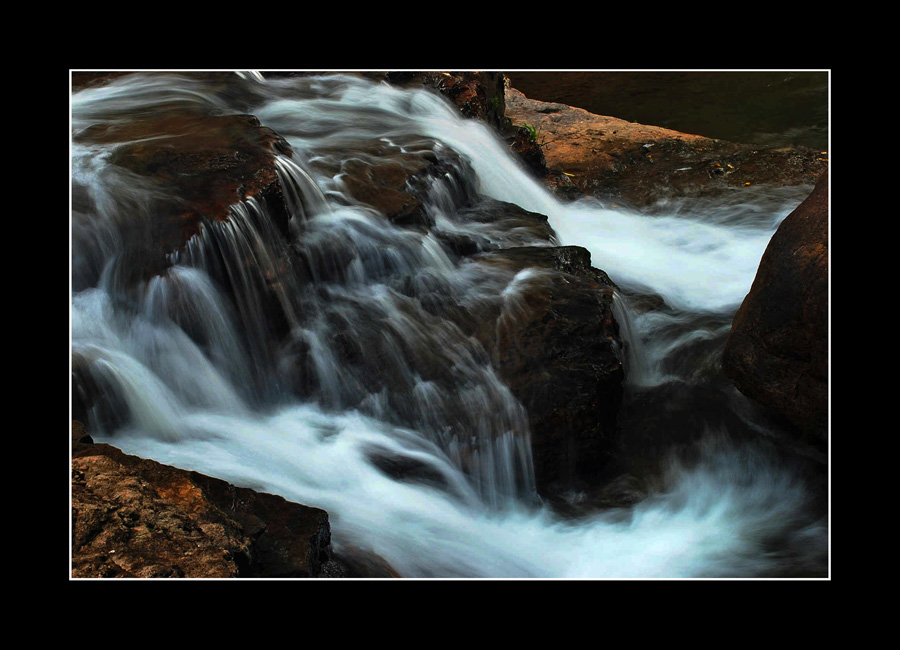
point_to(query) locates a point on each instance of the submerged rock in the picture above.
(395, 178)
(777, 352)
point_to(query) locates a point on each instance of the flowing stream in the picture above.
(188, 374)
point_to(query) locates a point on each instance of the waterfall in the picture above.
(638, 371)
(306, 362)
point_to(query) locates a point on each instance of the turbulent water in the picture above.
(188, 375)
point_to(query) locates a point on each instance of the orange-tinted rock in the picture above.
(608, 157)
(137, 518)
(777, 352)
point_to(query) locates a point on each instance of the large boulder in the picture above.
(611, 158)
(777, 352)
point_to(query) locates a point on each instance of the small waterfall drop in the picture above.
(637, 367)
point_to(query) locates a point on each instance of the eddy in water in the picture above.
(305, 355)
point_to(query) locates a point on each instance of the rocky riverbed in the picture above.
(561, 358)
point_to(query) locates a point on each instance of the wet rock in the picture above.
(777, 352)
(613, 499)
(461, 245)
(478, 95)
(527, 147)
(404, 468)
(94, 78)
(137, 518)
(556, 345)
(610, 158)
(176, 168)
(81, 80)
(79, 435)
(356, 562)
(209, 162)
(520, 227)
(396, 178)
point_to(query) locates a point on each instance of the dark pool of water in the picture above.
(768, 108)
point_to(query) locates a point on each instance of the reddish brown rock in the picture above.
(608, 157)
(209, 162)
(392, 177)
(777, 352)
(136, 518)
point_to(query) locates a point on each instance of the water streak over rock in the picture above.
(557, 345)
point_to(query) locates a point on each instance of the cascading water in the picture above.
(189, 374)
